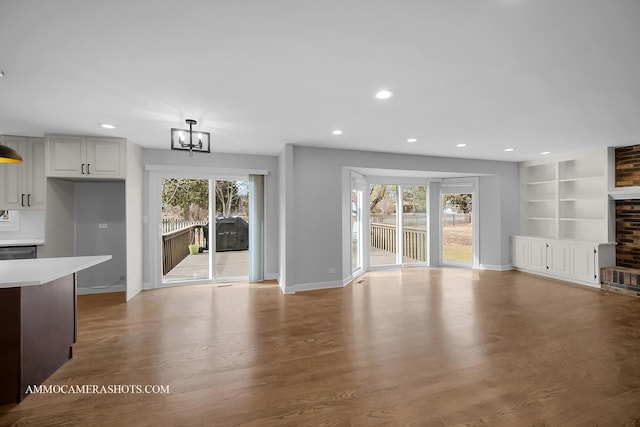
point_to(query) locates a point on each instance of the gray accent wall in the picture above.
(318, 212)
(307, 205)
(101, 230)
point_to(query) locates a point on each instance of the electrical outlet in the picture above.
(332, 270)
(103, 225)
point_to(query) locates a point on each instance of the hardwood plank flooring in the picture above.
(433, 347)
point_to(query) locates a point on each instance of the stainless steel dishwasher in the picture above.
(17, 252)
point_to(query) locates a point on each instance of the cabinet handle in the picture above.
(29, 199)
(22, 201)
(83, 169)
(88, 168)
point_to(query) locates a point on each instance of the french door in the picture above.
(457, 221)
(398, 224)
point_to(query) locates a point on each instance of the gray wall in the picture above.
(317, 210)
(60, 220)
(305, 210)
(225, 161)
(101, 203)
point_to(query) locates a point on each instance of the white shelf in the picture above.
(566, 197)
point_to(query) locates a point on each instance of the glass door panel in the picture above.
(457, 228)
(356, 228)
(231, 236)
(185, 220)
(383, 224)
(414, 223)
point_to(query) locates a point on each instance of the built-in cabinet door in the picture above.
(558, 257)
(66, 156)
(34, 174)
(583, 262)
(104, 157)
(538, 251)
(23, 183)
(520, 252)
(11, 174)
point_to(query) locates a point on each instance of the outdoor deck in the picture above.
(236, 264)
(193, 267)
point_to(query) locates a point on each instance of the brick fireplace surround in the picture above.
(625, 276)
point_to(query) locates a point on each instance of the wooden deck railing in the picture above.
(383, 236)
(175, 245)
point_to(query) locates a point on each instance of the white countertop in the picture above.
(22, 242)
(32, 272)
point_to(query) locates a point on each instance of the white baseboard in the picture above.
(272, 276)
(494, 267)
(100, 290)
(314, 286)
(561, 278)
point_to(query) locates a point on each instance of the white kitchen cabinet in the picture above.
(86, 157)
(570, 260)
(23, 184)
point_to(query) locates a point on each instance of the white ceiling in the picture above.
(535, 75)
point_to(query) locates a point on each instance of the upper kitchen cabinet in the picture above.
(85, 157)
(22, 185)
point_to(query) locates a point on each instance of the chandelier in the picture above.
(182, 139)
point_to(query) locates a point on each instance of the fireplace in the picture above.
(625, 276)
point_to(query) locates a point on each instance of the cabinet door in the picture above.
(12, 174)
(520, 252)
(66, 155)
(583, 262)
(34, 174)
(558, 257)
(538, 258)
(105, 157)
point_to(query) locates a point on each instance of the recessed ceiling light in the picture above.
(412, 140)
(509, 149)
(461, 145)
(107, 126)
(545, 152)
(384, 94)
(337, 132)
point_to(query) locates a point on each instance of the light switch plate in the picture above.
(103, 225)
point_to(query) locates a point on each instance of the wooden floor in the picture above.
(433, 347)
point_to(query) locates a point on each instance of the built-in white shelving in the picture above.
(566, 197)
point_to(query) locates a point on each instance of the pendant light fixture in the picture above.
(9, 155)
(179, 141)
